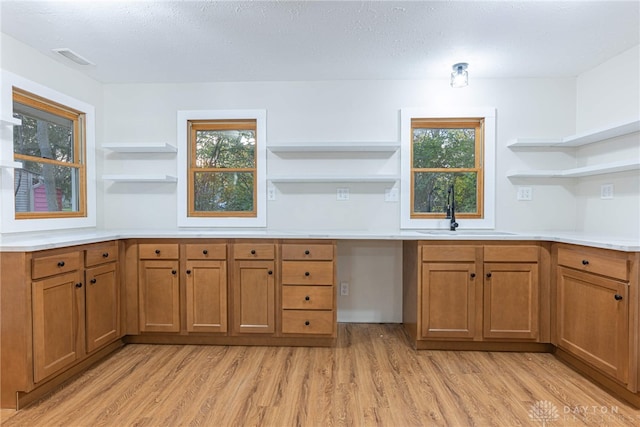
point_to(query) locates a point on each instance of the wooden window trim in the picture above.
(79, 152)
(223, 124)
(452, 123)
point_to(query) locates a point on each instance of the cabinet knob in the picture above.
(473, 275)
(270, 272)
(157, 251)
(307, 252)
(188, 271)
(488, 275)
(61, 264)
(105, 255)
(306, 273)
(618, 297)
(92, 281)
(173, 272)
(204, 252)
(253, 251)
(307, 298)
(79, 285)
(307, 323)
(585, 262)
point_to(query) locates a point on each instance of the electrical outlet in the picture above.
(271, 192)
(342, 194)
(525, 193)
(606, 191)
(344, 288)
(391, 194)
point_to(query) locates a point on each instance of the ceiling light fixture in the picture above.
(460, 75)
(71, 55)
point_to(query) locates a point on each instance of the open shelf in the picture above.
(154, 147)
(11, 121)
(139, 178)
(352, 147)
(329, 178)
(580, 139)
(612, 167)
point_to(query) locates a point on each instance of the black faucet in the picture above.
(451, 208)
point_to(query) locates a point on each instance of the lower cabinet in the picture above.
(254, 288)
(159, 296)
(102, 305)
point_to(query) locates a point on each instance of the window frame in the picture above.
(185, 186)
(409, 221)
(476, 123)
(8, 221)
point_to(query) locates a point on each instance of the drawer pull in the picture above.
(188, 271)
(105, 255)
(157, 251)
(79, 285)
(253, 251)
(618, 297)
(307, 298)
(204, 252)
(585, 262)
(473, 275)
(307, 252)
(93, 281)
(488, 275)
(61, 264)
(173, 272)
(307, 323)
(306, 273)
(270, 272)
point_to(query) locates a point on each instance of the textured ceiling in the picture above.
(197, 41)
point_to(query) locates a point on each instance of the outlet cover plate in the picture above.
(525, 193)
(606, 191)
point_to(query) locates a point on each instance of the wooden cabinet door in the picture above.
(58, 332)
(511, 306)
(449, 300)
(593, 314)
(206, 296)
(159, 296)
(254, 297)
(102, 307)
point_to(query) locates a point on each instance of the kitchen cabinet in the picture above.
(593, 309)
(254, 288)
(308, 289)
(158, 286)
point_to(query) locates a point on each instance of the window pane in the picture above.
(42, 134)
(225, 148)
(443, 148)
(41, 187)
(223, 191)
(430, 191)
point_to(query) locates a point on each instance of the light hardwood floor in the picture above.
(372, 377)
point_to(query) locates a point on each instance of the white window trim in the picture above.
(261, 182)
(8, 208)
(489, 115)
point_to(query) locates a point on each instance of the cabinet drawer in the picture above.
(254, 251)
(594, 263)
(449, 253)
(55, 264)
(307, 297)
(310, 252)
(207, 251)
(511, 253)
(307, 273)
(307, 322)
(158, 251)
(102, 254)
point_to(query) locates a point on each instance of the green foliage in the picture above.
(224, 191)
(225, 149)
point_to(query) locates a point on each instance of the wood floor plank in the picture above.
(371, 378)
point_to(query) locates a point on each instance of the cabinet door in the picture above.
(159, 296)
(102, 309)
(593, 321)
(206, 296)
(58, 335)
(254, 297)
(449, 300)
(511, 307)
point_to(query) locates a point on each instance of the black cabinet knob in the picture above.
(473, 275)
(78, 285)
(270, 272)
(204, 252)
(105, 255)
(618, 297)
(488, 275)
(173, 272)
(585, 262)
(306, 273)
(61, 264)
(188, 271)
(307, 252)
(253, 251)
(157, 251)
(307, 323)
(307, 298)
(92, 281)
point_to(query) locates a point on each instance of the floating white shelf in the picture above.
(10, 165)
(11, 121)
(354, 147)
(154, 147)
(328, 178)
(612, 167)
(139, 178)
(580, 139)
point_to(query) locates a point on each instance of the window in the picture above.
(50, 144)
(222, 168)
(447, 154)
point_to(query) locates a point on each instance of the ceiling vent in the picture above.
(71, 55)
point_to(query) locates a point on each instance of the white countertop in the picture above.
(29, 242)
